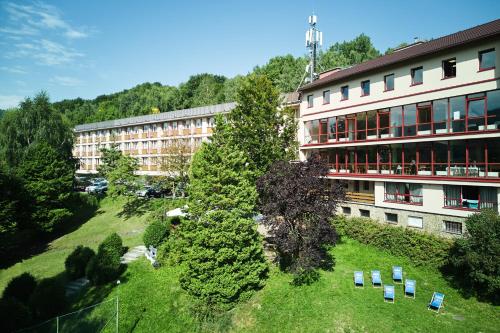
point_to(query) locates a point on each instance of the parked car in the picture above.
(98, 186)
(148, 192)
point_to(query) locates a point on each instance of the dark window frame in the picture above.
(454, 69)
(365, 83)
(385, 82)
(412, 72)
(389, 220)
(451, 227)
(480, 55)
(344, 97)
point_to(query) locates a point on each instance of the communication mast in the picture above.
(314, 40)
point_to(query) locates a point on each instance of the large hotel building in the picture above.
(414, 135)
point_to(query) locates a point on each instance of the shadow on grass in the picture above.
(29, 243)
(134, 207)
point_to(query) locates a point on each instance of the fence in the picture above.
(100, 317)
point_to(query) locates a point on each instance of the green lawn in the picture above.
(108, 218)
(152, 301)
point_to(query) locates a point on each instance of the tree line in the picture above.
(285, 72)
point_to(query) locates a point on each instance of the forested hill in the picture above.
(286, 72)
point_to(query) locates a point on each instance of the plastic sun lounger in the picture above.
(410, 288)
(389, 294)
(436, 302)
(397, 274)
(358, 279)
(376, 279)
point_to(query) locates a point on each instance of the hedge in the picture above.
(77, 261)
(420, 247)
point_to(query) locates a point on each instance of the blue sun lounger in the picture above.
(359, 281)
(436, 302)
(376, 279)
(397, 274)
(410, 288)
(389, 294)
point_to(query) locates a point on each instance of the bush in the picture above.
(77, 261)
(421, 248)
(14, 315)
(156, 233)
(476, 257)
(224, 261)
(20, 287)
(48, 299)
(106, 266)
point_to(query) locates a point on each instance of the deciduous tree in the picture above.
(298, 202)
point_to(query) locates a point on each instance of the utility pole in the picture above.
(314, 41)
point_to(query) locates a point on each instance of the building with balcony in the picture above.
(414, 134)
(146, 137)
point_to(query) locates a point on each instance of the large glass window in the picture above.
(476, 159)
(371, 155)
(417, 75)
(440, 115)
(410, 159)
(341, 128)
(493, 150)
(397, 159)
(475, 117)
(360, 160)
(493, 101)
(424, 151)
(487, 59)
(410, 120)
(323, 130)
(470, 197)
(384, 124)
(457, 114)
(396, 115)
(389, 82)
(361, 126)
(332, 129)
(403, 193)
(424, 113)
(384, 155)
(457, 158)
(440, 152)
(371, 124)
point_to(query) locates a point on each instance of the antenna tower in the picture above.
(314, 40)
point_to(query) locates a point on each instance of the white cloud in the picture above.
(9, 101)
(34, 18)
(13, 70)
(66, 81)
(44, 52)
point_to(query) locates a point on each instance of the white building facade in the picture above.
(415, 134)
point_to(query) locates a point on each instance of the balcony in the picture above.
(366, 198)
(198, 131)
(186, 131)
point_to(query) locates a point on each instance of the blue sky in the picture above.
(93, 47)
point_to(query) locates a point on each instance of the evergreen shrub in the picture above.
(20, 287)
(77, 261)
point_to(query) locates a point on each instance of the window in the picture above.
(366, 185)
(452, 227)
(415, 221)
(344, 92)
(391, 218)
(487, 59)
(389, 82)
(403, 193)
(198, 123)
(449, 68)
(364, 213)
(346, 210)
(417, 76)
(310, 101)
(326, 97)
(470, 197)
(365, 88)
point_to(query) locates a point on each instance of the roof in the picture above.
(164, 116)
(477, 33)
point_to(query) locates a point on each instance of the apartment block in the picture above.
(414, 135)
